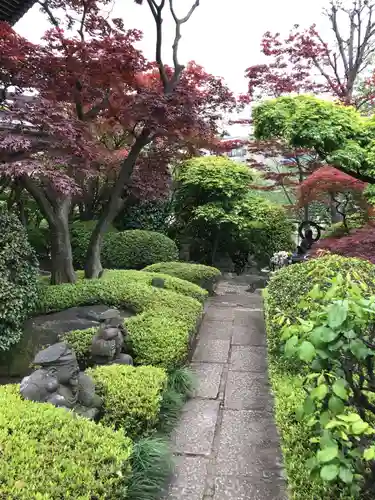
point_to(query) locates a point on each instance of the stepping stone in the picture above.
(212, 351)
(188, 481)
(245, 488)
(208, 379)
(215, 330)
(247, 391)
(248, 335)
(195, 432)
(248, 358)
(249, 444)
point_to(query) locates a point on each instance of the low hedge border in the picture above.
(204, 276)
(166, 322)
(95, 459)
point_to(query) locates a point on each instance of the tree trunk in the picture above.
(62, 270)
(56, 210)
(93, 267)
(335, 216)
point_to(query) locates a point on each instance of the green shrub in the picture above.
(80, 341)
(204, 276)
(136, 249)
(132, 396)
(165, 321)
(18, 279)
(38, 237)
(80, 234)
(49, 453)
(287, 290)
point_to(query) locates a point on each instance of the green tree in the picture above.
(338, 134)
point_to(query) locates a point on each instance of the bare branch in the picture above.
(333, 18)
(178, 68)
(157, 13)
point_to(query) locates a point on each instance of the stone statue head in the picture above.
(60, 362)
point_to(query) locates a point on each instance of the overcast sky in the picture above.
(223, 35)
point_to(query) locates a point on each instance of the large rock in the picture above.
(42, 331)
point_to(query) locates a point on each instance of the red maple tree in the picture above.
(86, 73)
(305, 62)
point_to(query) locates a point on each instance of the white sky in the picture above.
(223, 36)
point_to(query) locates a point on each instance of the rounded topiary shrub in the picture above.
(80, 234)
(287, 291)
(136, 249)
(47, 453)
(18, 279)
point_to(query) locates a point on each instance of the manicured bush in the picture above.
(204, 276)
(18, 279)
(47, 453)
(131, 395)
(136, 249)
(287, 290)
(165, 321)
(80, 341)
(80, 234)
(38, 237)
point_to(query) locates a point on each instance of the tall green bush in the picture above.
(18, 279)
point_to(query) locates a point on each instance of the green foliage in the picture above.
(181, 385)
(131, 395)
(338, 229)
(80, 234)
(146, 215)
(208, 179)
(80, 341)
(204, 276)
(338, 133)
(137, 249)
(38, 237)
(287, 296)
(48, 453)
(18, 279)
(152, 465)
(336, 343)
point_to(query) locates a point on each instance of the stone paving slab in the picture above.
(248, 335)
(217, 313)
(244, 488)
(189, 479)
(246, 316)
(248, 444)
(247, 391)
(195, 432)
(216, 330)
(248, 358)
(208, 379)
(212, 351)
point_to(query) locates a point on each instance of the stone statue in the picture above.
(58, 381)
(108, 342)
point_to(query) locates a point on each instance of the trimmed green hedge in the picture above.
(136, 249)
(131, 396)
(48, 453)
(165, 321)
(204, 276)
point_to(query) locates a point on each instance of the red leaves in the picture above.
(327, 180)
(360, 243)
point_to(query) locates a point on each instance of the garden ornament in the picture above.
(58, 381)
(108, 342)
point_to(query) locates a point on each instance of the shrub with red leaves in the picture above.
(360, 243)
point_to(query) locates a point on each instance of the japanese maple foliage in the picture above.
(359, 243)
(327, 180)
(304, 62)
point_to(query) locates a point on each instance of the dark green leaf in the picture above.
(336, 405)
(290, 346)
(346, 475)
(308, 406)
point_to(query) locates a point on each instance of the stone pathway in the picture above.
(226, 444)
